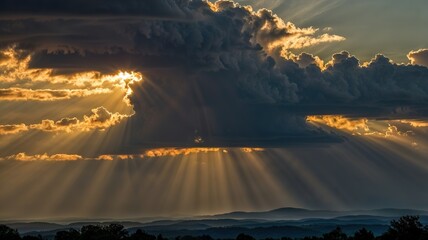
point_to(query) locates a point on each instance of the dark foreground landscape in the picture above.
(284, 224)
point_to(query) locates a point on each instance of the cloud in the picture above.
(215, 74)
(304, 59)
(17, 71)
(148, 153)
(12, 129)
(134, 42)
(43, 157)
(419, 57)
(364, 126)
(167, 8)
(415, 123)
(99, 119)
(22, 94)
(340, 122)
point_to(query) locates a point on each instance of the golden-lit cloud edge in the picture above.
(22, 94)
(365, 126)
(99, 119)
(150, 153)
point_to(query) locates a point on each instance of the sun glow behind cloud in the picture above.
(71, 114)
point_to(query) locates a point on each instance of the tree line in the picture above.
(405, 228)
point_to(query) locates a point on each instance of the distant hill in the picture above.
(300, 213)
(288, 222)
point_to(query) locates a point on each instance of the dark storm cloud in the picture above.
(344, 81)
(95, 7)
(216, 75)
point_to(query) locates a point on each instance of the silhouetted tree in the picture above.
(406, 228)
(71, 234)
(116, 231)
(336, 234)
(141, 235)
(110, 232)
(33, 238)
(312, 238)
(425, 233)
(8, 233)
(364, 234)
(286, 238)
(90, 232)
(205, 237)
(160, 237)
(188, 237)
(244, 237)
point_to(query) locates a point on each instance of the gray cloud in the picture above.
(110, 7)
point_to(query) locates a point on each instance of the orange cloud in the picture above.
(44, 157)
(163, 152)
(415, 123)
(249, 150)
(100, 119)
(15, 70)
(303, 41)
(12, 129)
(360, 126)
(151, 153)
(160, 152)
(22, 94)
(340, 122)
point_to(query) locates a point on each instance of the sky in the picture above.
(167, 108)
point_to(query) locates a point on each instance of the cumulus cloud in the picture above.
(419, 57)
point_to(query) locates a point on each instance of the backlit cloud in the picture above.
(12, 129)
(43, 157)
(216, 72)
(340, 122)
(419, 57)
(415, 123)
(99, 119)
(22, 94)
